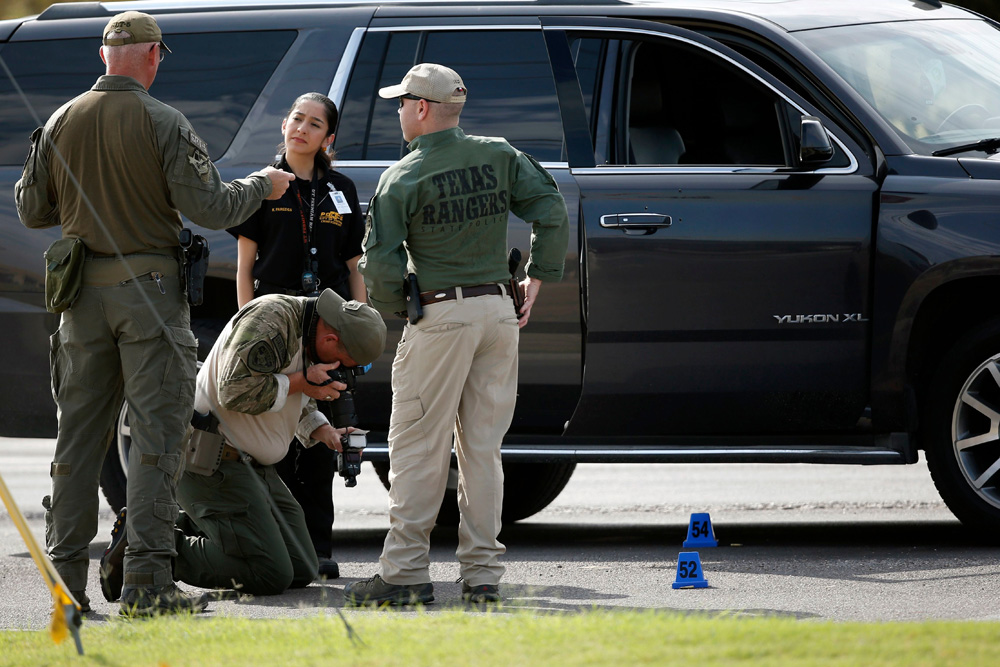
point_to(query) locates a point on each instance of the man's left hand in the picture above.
(330, 436)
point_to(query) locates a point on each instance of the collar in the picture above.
(440, 138)
(322, 173)
(117, 82)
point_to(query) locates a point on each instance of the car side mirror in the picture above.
(815, 147)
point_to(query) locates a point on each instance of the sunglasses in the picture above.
(161, 51)
(408, 96)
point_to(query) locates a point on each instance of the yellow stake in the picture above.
(66, 616)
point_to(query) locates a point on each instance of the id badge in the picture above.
(340, 201)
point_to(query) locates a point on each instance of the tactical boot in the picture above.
(376, 591)
(156, 600)
(328, 568)
(481, 593)
(113, 561)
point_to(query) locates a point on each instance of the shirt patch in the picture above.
(332, 217)
(197, 154)
(279, 346)
(262, 357)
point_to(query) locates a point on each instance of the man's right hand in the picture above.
(279, 181)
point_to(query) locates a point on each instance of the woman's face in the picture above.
(306, 130)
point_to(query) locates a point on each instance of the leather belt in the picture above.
(435, 296)
(230, 453)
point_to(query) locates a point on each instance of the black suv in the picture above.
(785, 214)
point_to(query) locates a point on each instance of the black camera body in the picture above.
(341, 413)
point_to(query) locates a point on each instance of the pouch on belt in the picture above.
(64, 261)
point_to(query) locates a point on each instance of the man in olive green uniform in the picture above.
(257, 383)
(441, 212)
(113, 167)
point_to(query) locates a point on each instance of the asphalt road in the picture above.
(809, 542)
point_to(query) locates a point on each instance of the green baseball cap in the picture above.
(133, 28)
(360, 326)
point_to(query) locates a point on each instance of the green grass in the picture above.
(509, 638)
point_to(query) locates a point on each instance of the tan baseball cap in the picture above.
(431, 82)
(360, 326)
(133, 28)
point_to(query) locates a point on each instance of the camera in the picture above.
(341, 413)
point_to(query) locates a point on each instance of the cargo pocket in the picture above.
(161, 535)
(182, 364)
(230, 525)
(405, 429)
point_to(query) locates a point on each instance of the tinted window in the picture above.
(665, 102)
(684, 107)
(213, 79)
(512, 96)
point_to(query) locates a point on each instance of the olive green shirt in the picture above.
(441, 212)
(138, 162)
(244, 380)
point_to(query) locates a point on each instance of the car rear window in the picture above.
(511, 95)
(212, 78)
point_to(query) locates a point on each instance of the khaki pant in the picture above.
(455, 372)
(239, 539)
(110, 343)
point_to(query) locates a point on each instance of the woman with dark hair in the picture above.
(308, 240)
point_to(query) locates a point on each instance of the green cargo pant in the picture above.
(130, 337)
(242, 541)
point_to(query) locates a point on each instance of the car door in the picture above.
(513, 97)
(727, 287)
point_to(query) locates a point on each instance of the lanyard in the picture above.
(307, 228)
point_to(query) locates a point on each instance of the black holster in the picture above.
(196, 253)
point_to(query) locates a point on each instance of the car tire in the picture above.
(962, 434)
(528, 488)
(114, 472)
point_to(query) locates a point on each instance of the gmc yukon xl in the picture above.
(785, 242)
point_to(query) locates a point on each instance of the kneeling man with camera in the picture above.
(274, 363)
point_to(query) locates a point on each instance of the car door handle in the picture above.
(635, 220)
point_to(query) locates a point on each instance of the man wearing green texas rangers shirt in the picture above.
(441, 213)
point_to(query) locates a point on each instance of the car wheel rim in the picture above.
(123, 438)
(975, 431)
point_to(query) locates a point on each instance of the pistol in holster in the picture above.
(414, 311)
(513, 259)
(204, 449)
(196, 251)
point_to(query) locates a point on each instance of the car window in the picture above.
(672, 103)
(683, 107)
(212, 78)
(936, 82)
(512, 97)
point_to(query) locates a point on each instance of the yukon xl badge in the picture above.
(820, 318)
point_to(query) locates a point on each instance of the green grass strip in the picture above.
(508, 638)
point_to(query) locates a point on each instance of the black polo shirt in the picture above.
(277, 229)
